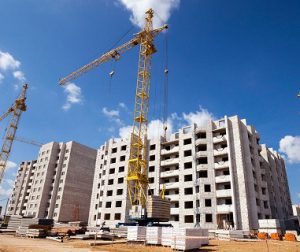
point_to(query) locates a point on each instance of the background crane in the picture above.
(137, 177)
(15, 110)
(28, 141)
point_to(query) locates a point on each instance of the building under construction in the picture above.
(57, 185)
(217, 177)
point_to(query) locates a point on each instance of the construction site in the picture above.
(210, 186)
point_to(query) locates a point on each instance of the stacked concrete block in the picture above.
(166, 236)
(154, 235)
(270, 226)
(188, 239)
(136, 233)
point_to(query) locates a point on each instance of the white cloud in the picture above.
(200, 117)
(1, 77)
(124, 132)
(19, 75)
(7, 61)
(156, 128)
(113, 115)
(290, 146)
(11, 165)
(110, 113)
(73, 95)
(138, 8)
(122, 105)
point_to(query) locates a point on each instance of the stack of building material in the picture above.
(228, 234)
(269, 226)
(204, 237)
(153, 235)
(136, 233)
(65, 230)
(35, 233)
(119, 232)
(14, 222)
(26, 222)
(166, 236)
(187, 238)
(158, 208)
(77, 224)
(21, 231)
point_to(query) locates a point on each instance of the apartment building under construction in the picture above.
(58, 185)
(217, 176)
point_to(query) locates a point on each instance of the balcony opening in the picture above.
(202, 160)
(225, 221)
(202, 147)
(201, 135)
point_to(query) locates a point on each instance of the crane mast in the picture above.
(16, 110)
(137, 178)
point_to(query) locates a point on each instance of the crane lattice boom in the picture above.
(137, 180)
(16, 110)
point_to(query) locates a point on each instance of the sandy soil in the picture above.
(9, 243)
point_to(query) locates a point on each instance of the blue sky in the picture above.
(225, 58)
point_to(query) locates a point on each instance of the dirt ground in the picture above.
(9, 243)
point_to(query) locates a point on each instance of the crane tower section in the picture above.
(15, 110)
(137, 180)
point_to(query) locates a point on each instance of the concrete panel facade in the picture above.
(213, 175)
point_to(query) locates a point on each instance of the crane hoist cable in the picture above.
(166, 87)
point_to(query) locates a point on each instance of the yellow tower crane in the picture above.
(15, 110)
(137, 178)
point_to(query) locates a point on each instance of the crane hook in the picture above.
(111, 73)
